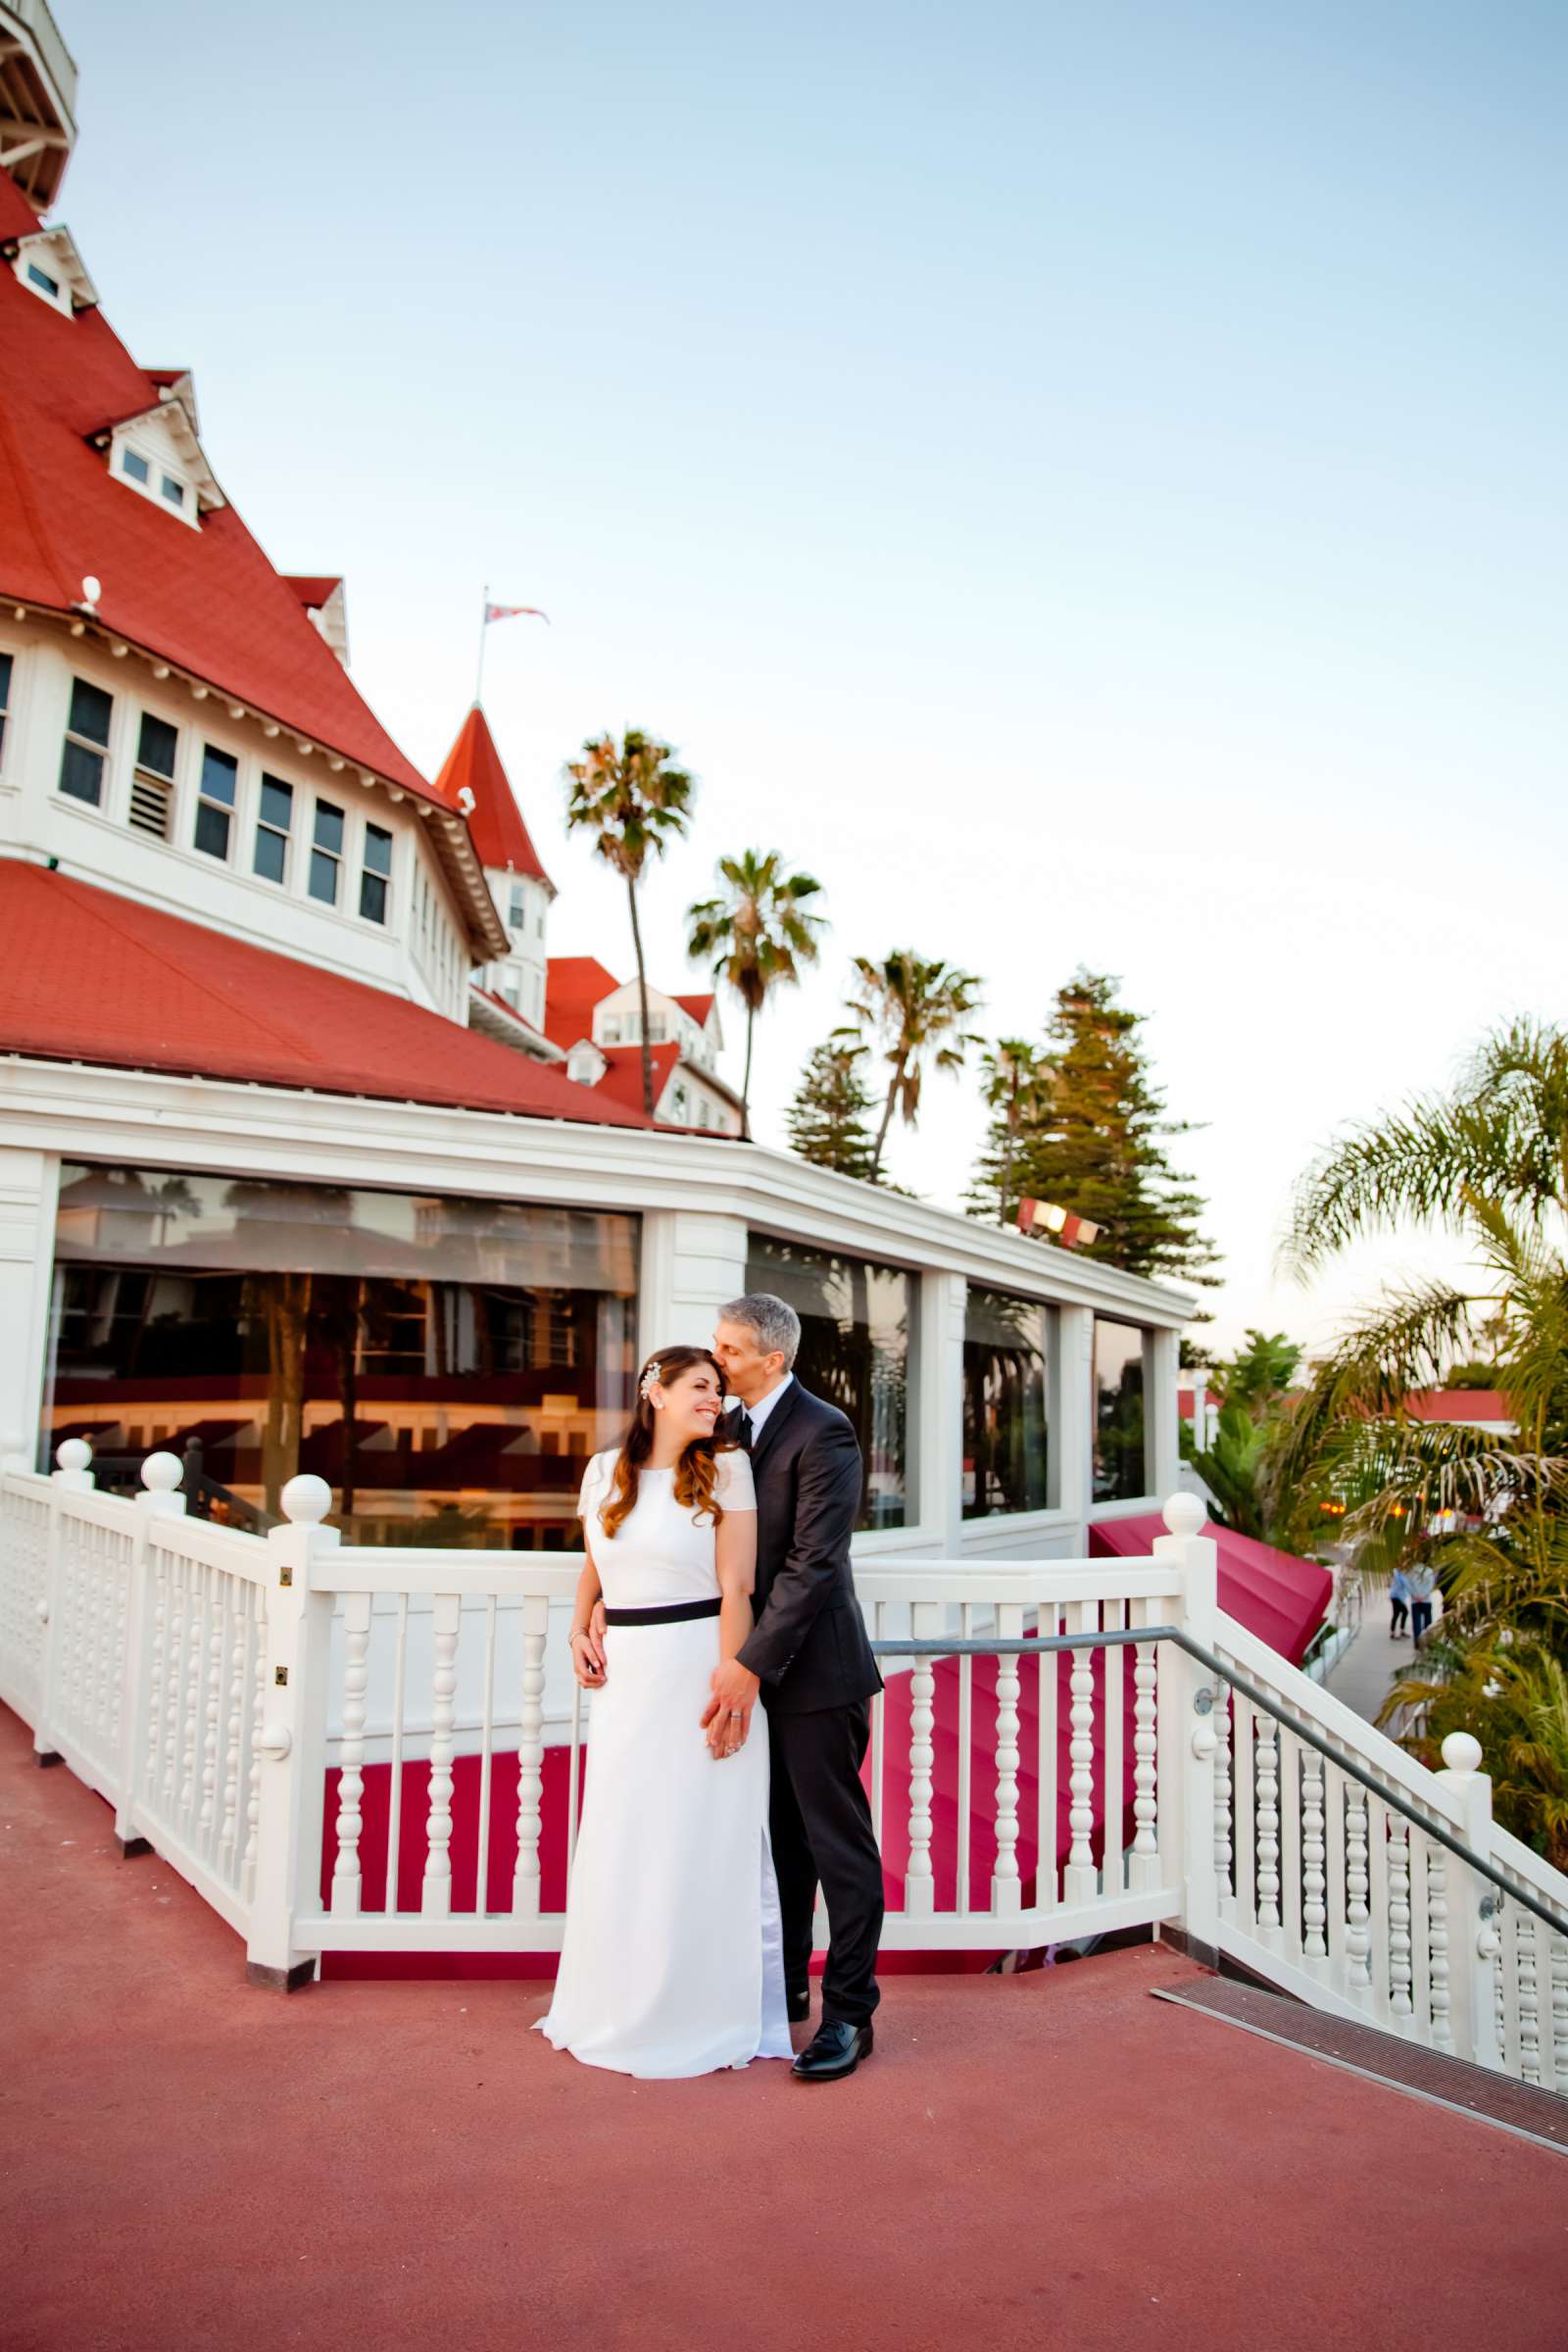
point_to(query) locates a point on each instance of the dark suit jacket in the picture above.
(810, 1642)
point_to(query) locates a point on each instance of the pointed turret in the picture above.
(473, 782)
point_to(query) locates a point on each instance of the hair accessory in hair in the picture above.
(654, 1373)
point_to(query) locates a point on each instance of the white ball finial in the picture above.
(75, 1454)
(1461, 1753)
(161, 1473)
(307, 1500)
(91, 589)
(1184, 1515)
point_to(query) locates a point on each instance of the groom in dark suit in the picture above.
(808, 1659)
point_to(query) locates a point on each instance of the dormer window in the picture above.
(156, 455)
(49, 266)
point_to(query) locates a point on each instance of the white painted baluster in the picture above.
(180, 1573)
(155, 1687)
(1080, 1884)
(1315, 1881)
(1527, 1944)
(214, 1706)
(253, 1790)
(919, 1889)
(1222, 1800)
(117, 1664)
(1357, 1917)
(437, 1891)
(1399, 1917)
(1269, 1831)
(351, 1777)
(1437, 1981)
(394, 1819)
(1559, 2012)
(525, 1878)
(1006, 1888)
(487, 1731)
(192, 1698)
(234, 1726)
(1143, 1867)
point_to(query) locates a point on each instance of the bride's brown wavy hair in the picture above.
(698, 1466)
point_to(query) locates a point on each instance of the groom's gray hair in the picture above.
(772, 1322)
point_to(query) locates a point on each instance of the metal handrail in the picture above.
(1030, 1646)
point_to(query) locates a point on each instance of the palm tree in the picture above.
(757, 935)
(915, 1010)
(635, 802)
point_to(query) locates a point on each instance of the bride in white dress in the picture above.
(672, 1959)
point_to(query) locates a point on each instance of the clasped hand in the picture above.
(727, 1717)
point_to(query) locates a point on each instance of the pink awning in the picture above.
(1280, 1599)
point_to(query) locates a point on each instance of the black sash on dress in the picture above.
(676, 1613)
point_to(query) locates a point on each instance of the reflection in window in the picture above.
(273, 818)
(81, 764)
(214, 801)
(373, 880)
(1121, 1471)
(326, 852)
(857, 1323)
(1005, 1350)
(446, 1365)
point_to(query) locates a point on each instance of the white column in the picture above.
(693, 1263)
(1072, 1415)
(936, 1412)
(1161, 1422)
(29, 1190)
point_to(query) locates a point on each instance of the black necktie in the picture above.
(743, 1429)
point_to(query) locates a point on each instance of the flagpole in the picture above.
(484, 620)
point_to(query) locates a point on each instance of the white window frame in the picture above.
(283, 833)
(86, 743)
(337, 857)
(230, 810)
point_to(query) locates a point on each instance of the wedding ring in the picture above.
(735, 1714)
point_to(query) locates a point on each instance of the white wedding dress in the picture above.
(672, 1961)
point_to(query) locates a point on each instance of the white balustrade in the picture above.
(206, 1681)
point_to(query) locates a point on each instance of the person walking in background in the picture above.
(1421, 1583)
(1399, 1599)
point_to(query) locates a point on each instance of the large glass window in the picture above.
(1006, 1349)
(81, 763)
(1121, 1460)
(856, 1327)
(446, 1365)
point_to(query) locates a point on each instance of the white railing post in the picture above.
(158, 1500)
(1007, 1887)
(72, 1477)
(919, 1886)
(291, 1741)
(1472, 1910)
(1186, 1737)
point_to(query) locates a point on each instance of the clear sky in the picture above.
(1088, 482)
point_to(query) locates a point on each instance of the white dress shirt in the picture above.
(764, 1405)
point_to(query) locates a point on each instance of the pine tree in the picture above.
(1089, 1136)
(827, 1121)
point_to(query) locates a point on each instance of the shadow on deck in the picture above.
(1045, 2158)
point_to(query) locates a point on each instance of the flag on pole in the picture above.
(513, 612)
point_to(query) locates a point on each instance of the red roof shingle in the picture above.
(92, 977)
(574, 986)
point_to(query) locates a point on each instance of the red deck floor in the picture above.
(1035, 2160)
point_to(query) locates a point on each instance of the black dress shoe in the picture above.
(833, 2050)
(799, 2005)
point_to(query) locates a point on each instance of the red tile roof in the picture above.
(698, 1006)
(207, 600)
(622, 1081)
(1458, 1405)
(574, 986)
(495, 821)
(96, 978)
